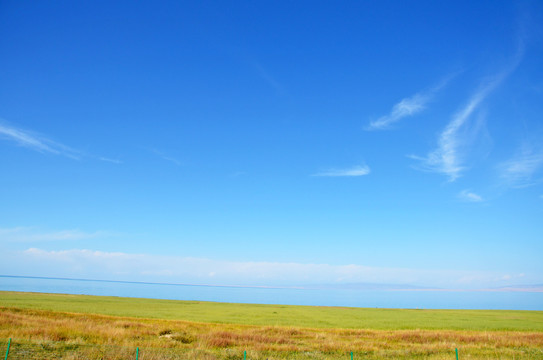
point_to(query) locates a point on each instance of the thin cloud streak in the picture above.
(42, 144)
(469, 196)
(408, 107)
(265, 75)
(354, 171)
(447, 158)
(519, 171)
(166, 157)
(26, 234)
(36, 142)
(114, 161)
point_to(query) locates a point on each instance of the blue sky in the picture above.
(273, 143)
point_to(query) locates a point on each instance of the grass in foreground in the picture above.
(40, 333)
(43, 334)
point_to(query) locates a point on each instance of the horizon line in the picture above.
(536, 288)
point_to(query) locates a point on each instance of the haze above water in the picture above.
(414, 299)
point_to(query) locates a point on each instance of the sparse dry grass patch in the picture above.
(71, 335)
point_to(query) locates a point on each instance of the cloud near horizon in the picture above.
(28, 234)
(157, 268)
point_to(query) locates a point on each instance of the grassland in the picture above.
(77, 327)
(279, 315)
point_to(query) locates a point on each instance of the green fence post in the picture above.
(245, 355)
(456, 353)
(137, 353)
(7, 351)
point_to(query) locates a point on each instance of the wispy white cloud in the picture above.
(359, 170)
(146, 267)
(469, 196)
(448, 157)
(521, 169)
(508, 277)
(452, 145)
(166, 157)
(114, 161)
(408, 106)
(36, 141)
(265, 75)
(28, 234)
(8, 231)
(43, 144)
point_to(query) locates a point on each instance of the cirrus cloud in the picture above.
(359, 170)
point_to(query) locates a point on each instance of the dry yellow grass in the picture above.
(58, 333)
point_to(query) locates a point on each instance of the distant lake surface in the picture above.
(287, 296)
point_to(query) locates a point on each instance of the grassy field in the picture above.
(76, 327)
(279, 315)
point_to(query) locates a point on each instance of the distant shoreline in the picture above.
(383, 287)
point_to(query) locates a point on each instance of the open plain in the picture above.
(46, 326)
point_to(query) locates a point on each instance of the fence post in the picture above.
(245, 355)
(456, 353)
(351, 355)
(137, 353)
(7, 351)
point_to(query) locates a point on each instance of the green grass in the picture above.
(73, 327)
(279, 315)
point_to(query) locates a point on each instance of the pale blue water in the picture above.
(340, 297)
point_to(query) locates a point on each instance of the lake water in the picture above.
(287, 296)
